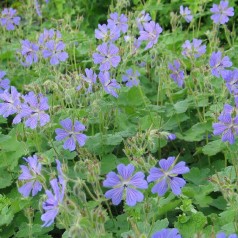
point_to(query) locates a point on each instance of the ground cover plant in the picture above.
(118, 119)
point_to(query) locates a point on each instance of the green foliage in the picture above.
(131, 129)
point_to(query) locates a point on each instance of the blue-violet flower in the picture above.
(107, 56)
(219, 64)
(131, 78)
(167, 175)
(109, 85)
(124, 185)
(194, 49)
(9, 20)
(72, 134)
(30, 174)
(150, 33)
(186, 13)
(178, 74)
(221, 12)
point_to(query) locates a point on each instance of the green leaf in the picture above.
(5, 178)
(194, 224)
(132, 97)
(159, 225)
(197, 132)
(11, 150)
(103, 144)
(197, 176)
(181, 106)
(213, 147)
(108, 163)
(6, 216)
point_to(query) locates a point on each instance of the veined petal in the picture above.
(125, 170)
(25, 190)
(115, 194)
(138, 181)
(176, 184)
(160, 187)
(111, 180)
(133, 196)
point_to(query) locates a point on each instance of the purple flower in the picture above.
(218, 64)
(12, 105)
(221, 12)
(10, 102)
(48, 35)
(90, 78)
(105, 33)
(131, 78)
(4, 82)
(72, 134)
(142, 18)
(30, 174)
(109, 85)
(107, 56)
(55, 199)
(167, 233)
(125, 183)
(119, 21)
(231, 78)
(8, 19)
(223, 235)
(177, 75)
(29, 51)
(171, 136)
(186, 13)
(150, 33)
(194, 49)
(227, 126)
(34, 111)
(167, 176)
(37, 7)
(54, 51)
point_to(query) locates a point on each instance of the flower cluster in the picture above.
(124, 184)
(29, 107)
(107, 55)
(34, 179)
(9, 19)
(194, 49)
(49, 46)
